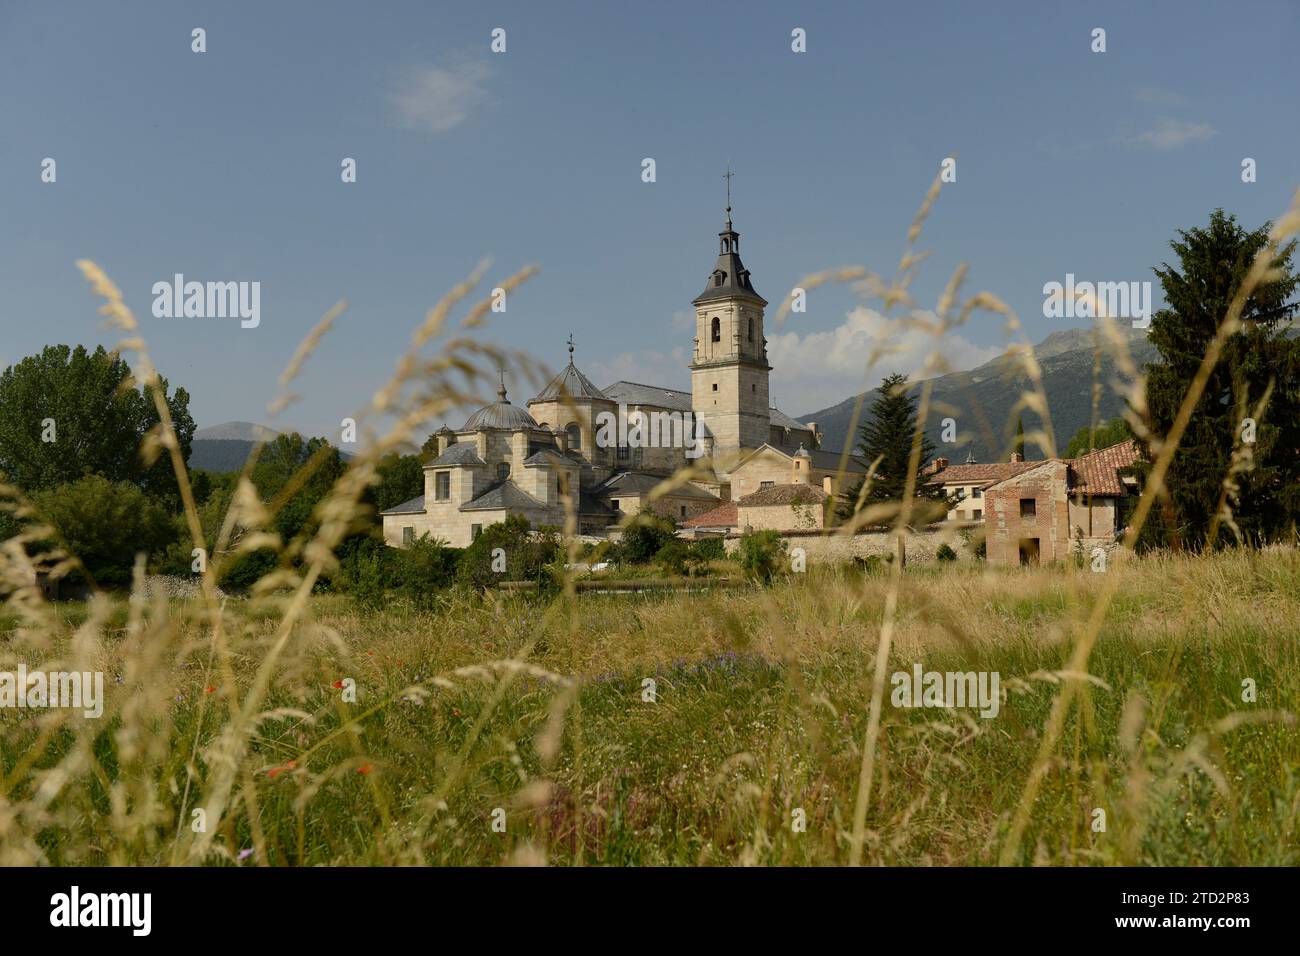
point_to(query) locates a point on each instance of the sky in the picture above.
(226, 166)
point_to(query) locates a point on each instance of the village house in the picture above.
(1040, 511)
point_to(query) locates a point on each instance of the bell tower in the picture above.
(729, 362)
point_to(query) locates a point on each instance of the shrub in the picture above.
(644, 536)
(708, 549)
(945, 553)
(671, 558)
(527, 555)
(760, 554)
(105, 524)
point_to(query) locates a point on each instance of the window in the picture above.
(683, 511)
(503, 471)
(475, 530)
(717, 327)
(408, 536)
(614, 502)
(575, 435)
(715, 386)
(977, 514)
(977, 492)
(751, 330)
(765, 484)
(1028, 507)
(622, 453)
(442, 486)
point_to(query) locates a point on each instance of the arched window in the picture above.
(717, 329)
(575, 436)
(503, 471)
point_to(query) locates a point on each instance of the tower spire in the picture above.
(501, 389)
(570, 348)
(727, 176)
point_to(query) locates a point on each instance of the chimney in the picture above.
(446, 438)
(938, 465)
(828, 485)
(1016, 457)
(817, 435)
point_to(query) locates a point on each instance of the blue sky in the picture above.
(225, 166)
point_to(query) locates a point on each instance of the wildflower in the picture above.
(364, 769)
(276, 771)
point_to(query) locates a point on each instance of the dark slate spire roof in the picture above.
(729, 277)
(500, 414)
(571, 383)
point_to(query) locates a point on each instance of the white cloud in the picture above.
(819, 369)
(1174, 134)
(437, 98)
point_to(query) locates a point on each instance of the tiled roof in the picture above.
(413, 507)
(503, 495)
(723, 516)
(634, 393)
(822, 458)
(570, 383)
(782, 420)
(640, 483)
(460, 453)
(783, 495)
(1096, 473)
(982, 473)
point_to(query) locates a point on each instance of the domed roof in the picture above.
(500, 414)
(570, 384)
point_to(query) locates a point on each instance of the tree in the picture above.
(888, 434)
(1261, 357)
(104, 524)
(68, 412)
(508, 551)
(293, 474)
(1106, 434)
(1019, 448)
(401, 478)
(644, 536)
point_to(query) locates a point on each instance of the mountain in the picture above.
(226, 447)
(235, 431)
(982, 398)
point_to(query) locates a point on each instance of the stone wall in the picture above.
(922, 544)
(1049, 525)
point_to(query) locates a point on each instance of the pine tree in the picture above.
(1212, 263)
(888, 433)
(1020, 438)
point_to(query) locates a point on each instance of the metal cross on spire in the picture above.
(570, 348)
(727, 176)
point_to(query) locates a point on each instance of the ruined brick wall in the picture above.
(1048, 487)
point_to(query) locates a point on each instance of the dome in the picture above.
(500, 414)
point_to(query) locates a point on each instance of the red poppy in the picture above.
(338, 684)
(365, 768)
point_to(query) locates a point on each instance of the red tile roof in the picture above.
(784, 495)
(723, 516)
(981, 474)
(1096, 473)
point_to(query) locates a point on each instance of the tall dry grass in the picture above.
(1120, 693)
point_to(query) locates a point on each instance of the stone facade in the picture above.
(508, 459)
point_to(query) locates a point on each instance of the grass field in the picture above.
(536, 710)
